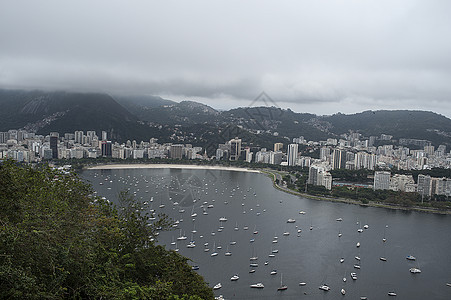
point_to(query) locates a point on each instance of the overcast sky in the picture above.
(313, 56)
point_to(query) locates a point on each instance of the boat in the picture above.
(286, 233)
(360, 230)
(291, 220)
(302, 212)
(392, 294)
(236, 227)
(410, 257)
(302, 283)
(339, 220)
(273, 272)
(275, 251)
(414, 270)
(195, 268)
(324, 287)
(365, 226)
(217, 286)
(255, 230)
(448, 284)
(257, 285)
(342, 260)
(344, 279)
(354, 276)
(383, 259)
(340, 234)
(228, 253)
(222, 219)
(358, 244)
(357, 258)
(357, 266)
(214, 251)
(282, 287)
(251, 271)
(193, 214)
(266, 263)
(343, 291)
(253, 265)
(232, 242)
(235, 277)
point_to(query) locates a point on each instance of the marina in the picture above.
(308, 259)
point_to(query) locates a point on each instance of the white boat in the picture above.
(302, 283)
(193, 214)
(228, 253)
(291, 220)
(358, 244)
(339, 219)
(217, 286)
(448, 284)
(357, 257)
(342, 260)
(273, 272)
(383, 259)
(414, 270)
(324, 287)
(275, 251)
(222, 219)
(353, 276)
(251, 271)
(257, 285)
(344, 279)
(286, 233)
(236, 227)
(365, 226)
(392, 294)
(214, 251)
(343, 291)
(410, 257)
(253, 265)
(282, 287)
(302, 212)
(235, 277)
(357, 266)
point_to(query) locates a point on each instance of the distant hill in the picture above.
(424, 125)
(140, 118)
(63, 112)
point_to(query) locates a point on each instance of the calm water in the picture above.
(311, 256)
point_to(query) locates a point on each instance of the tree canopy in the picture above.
(58, 241)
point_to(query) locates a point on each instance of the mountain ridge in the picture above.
(151, 116)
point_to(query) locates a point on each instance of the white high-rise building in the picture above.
(381, 180)
(292, 154)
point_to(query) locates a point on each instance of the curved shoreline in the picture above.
(270, 174)
(168, 166)
(355, 202)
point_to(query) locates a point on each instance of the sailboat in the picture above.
(193, 214)
(282, 287)
(236, 227)
(228, 253)
(214, 250)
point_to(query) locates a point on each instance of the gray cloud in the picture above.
(313, 56)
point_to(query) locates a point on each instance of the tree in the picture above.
(57, 241)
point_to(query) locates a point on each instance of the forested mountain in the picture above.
(144, 117)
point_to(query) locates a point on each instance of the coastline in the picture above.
(169, 166)
(272, 176)
(354, 202)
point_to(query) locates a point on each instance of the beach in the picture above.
(169, 166)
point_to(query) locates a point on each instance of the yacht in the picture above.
(339, 219)
(195, 268)
(410, 257)
(391, 293)
(282, 287)
(251, 271)
(353, 276)
(302, 283)
(218, 286)
(257, 285)
(414, 270)
(357, 258)
(365, 226)
(222, 219)
(286, 233)
(324, 287)
(235, 277)
(291, 220)
(358, 244)
(343, 291)
(383, 259)
(342, 260)
(302, 212)
(357, 266)
(273, 272)
(253, 265)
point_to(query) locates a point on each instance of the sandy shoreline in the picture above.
(168, 166)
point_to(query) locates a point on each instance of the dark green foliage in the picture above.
(58, 242)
